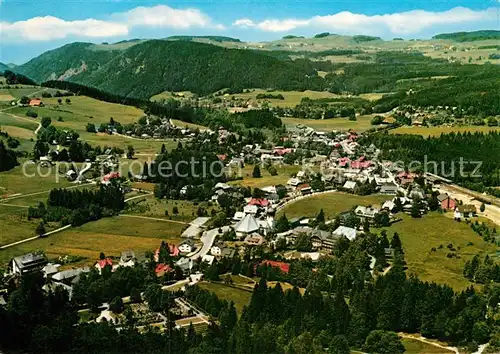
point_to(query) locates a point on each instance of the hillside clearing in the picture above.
(361, 124)
(436, 131)
(108, 235)
(240, 297)
(331, 203)
(434, 230)
(284, 174)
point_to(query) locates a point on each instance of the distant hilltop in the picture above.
(469, 36)
(212, 38)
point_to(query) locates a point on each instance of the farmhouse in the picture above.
(465, 211)
(35, 102)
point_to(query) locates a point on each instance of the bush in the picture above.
(31, 114)
(116, 305)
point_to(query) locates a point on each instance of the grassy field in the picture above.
(331, 203)
(327, 125)
(155, 208)
(292, 98)
(436, 131)
(419, 236)
(180, 123)
(77, 114)
(413, 346)
(167, 95)
(226, 292)
(30, 178)
(108, 235)
(284, 174)
(20, 91)
(80, 111)
(16, 226)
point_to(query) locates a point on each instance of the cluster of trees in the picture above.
(469, 36)
(77, 207)
(16, 78)
(96, 288)
(8, 158)
(486, 272)
(442, 155)
(258, 119)
(391, 303)
(195, 170)
(262, 96)
(342, 307)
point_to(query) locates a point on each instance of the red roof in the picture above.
(285, 267)
(449, 204)
(303, 186)
(35, 102)
(104, 262)
(111, 176)
(222, 157)
(360, 164)
(343, 161)
(173, 250)
(163, 268)
(259, 201)
(282, 151)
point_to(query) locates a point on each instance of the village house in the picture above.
(187, 246)
(304, 189)
(127, 259)
(28, 263)
(162, 269)
(216, 250)
(103, 263)
(389, 189)
(320, 239)
(366, 212)
(106, 179)
(349, 185)
(446, 202)
(465, 211)
(254, 240)
(35, 102)
(347, 232)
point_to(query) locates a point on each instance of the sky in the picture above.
(30, 27)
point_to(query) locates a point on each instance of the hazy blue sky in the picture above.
(29, 27)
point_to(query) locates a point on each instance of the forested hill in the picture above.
(3, 67)
(211, 38)
(64, 62)
(151, 67)
(155, 66)
(470, 36)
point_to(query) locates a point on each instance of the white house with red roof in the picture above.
(102, 263)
